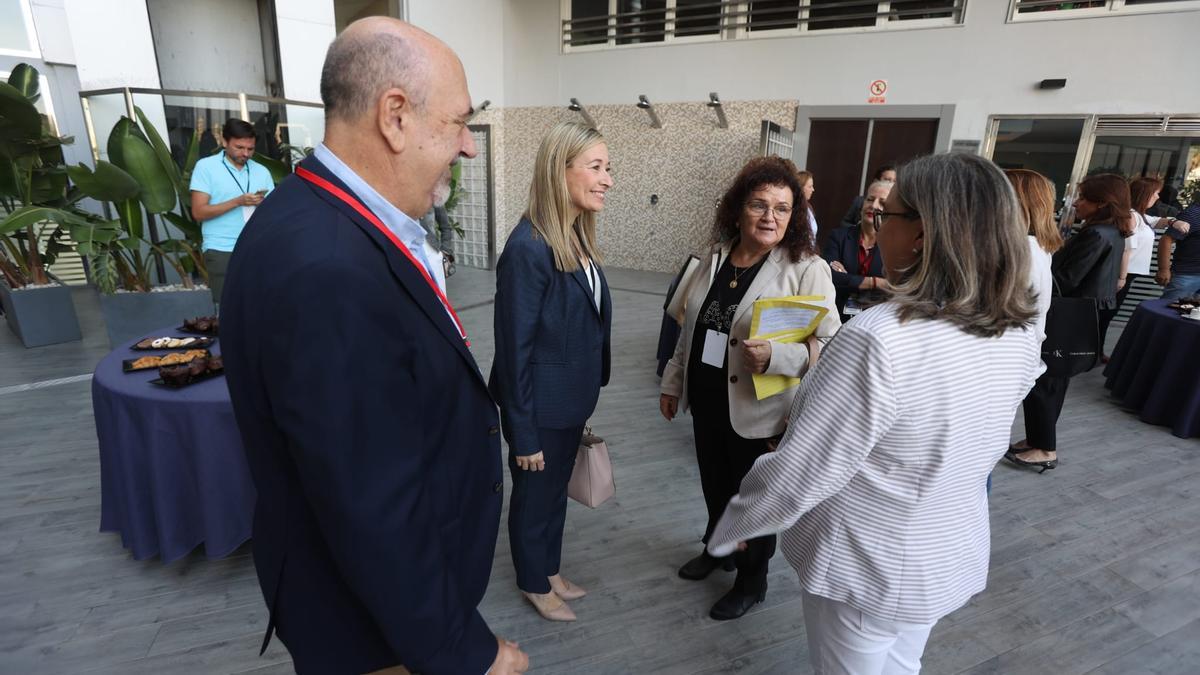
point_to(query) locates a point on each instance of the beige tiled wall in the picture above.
(688, 163)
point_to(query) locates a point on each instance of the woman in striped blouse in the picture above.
(878, 487)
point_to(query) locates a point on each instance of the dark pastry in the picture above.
(197, 367)
(145, 344)
(174, 374)
(215, 364)
(202, 324)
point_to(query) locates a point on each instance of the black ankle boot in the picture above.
(702, 565)
(735, 603)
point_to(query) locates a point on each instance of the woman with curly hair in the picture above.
(762, 247)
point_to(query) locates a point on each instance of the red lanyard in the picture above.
(865, 258)
(374, 220)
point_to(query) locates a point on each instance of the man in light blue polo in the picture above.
(226, 188)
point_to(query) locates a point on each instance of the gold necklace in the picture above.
(737, 273)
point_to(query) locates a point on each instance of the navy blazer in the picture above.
(371, 438)
(552, 344)
(843, 247)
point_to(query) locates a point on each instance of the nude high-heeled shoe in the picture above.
(565, 589)
(550, 606)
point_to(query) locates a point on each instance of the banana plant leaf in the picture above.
(30, 215)
(190, 228)
(278, 169)
(130, 213)
(50, 187)
(20, 121)
(129, 149)
(93, 238)
(161, 150)
(109, 183)
(10, 185)
(24, 78)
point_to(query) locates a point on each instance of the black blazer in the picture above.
(371, 438)
(552, 344)
(1088, 265)
(842, 246)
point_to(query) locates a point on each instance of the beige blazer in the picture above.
(778, 277)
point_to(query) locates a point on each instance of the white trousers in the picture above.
(845, 641)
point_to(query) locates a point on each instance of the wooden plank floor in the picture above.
(1095, 566)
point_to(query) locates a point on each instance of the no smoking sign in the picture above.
(878, 89)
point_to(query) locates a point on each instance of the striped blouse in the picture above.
(879, 480)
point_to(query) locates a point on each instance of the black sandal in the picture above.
(1011, 456)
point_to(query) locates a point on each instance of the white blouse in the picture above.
(1141, 244)
(880, 485)
(1041, 280)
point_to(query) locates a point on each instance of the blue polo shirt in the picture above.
(217, 177)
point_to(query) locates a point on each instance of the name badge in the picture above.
(714, 348)
(247, 211)
(852, 307)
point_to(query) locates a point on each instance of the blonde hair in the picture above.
(550, 203)
(1036, 195)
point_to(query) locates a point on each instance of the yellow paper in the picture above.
(788, 319)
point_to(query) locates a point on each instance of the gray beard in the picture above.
(441, 191)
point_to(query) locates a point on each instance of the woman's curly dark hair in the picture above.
(758, 173)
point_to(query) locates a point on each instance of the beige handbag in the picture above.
(592, 479)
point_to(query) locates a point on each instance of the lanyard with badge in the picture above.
(247, 211)
(365, 212)
(715, 341)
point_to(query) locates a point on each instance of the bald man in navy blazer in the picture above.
(370, 433)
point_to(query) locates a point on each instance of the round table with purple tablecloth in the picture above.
(173, 474)
(1155, 368)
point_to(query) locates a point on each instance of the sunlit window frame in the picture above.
(1111, 8)
(30, 32)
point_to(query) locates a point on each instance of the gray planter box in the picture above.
(40, 316)
(129, 316)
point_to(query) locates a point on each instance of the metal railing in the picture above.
(244, 106)
(723, 20)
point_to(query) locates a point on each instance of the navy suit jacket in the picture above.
(552, 344)
(842, 246)
(371, 438)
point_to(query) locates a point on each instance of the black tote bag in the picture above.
(1072, 344)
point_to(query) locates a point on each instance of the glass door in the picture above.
(1051, 146)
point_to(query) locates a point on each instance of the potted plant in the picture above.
(140, 182)
(1190, 192)
(33, 192)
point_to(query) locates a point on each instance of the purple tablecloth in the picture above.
(1155, 368)
(172, 471)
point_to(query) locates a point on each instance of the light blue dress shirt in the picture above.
(406, 229)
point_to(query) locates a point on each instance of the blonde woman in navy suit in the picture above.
(553, 321)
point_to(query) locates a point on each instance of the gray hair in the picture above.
(880, 183)
(973, 269)
(359, 67)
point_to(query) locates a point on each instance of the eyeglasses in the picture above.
(782, 211)
(879, 215)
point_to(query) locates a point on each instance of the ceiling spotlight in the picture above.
(644, 104)
(576, 106)
(714, 102)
